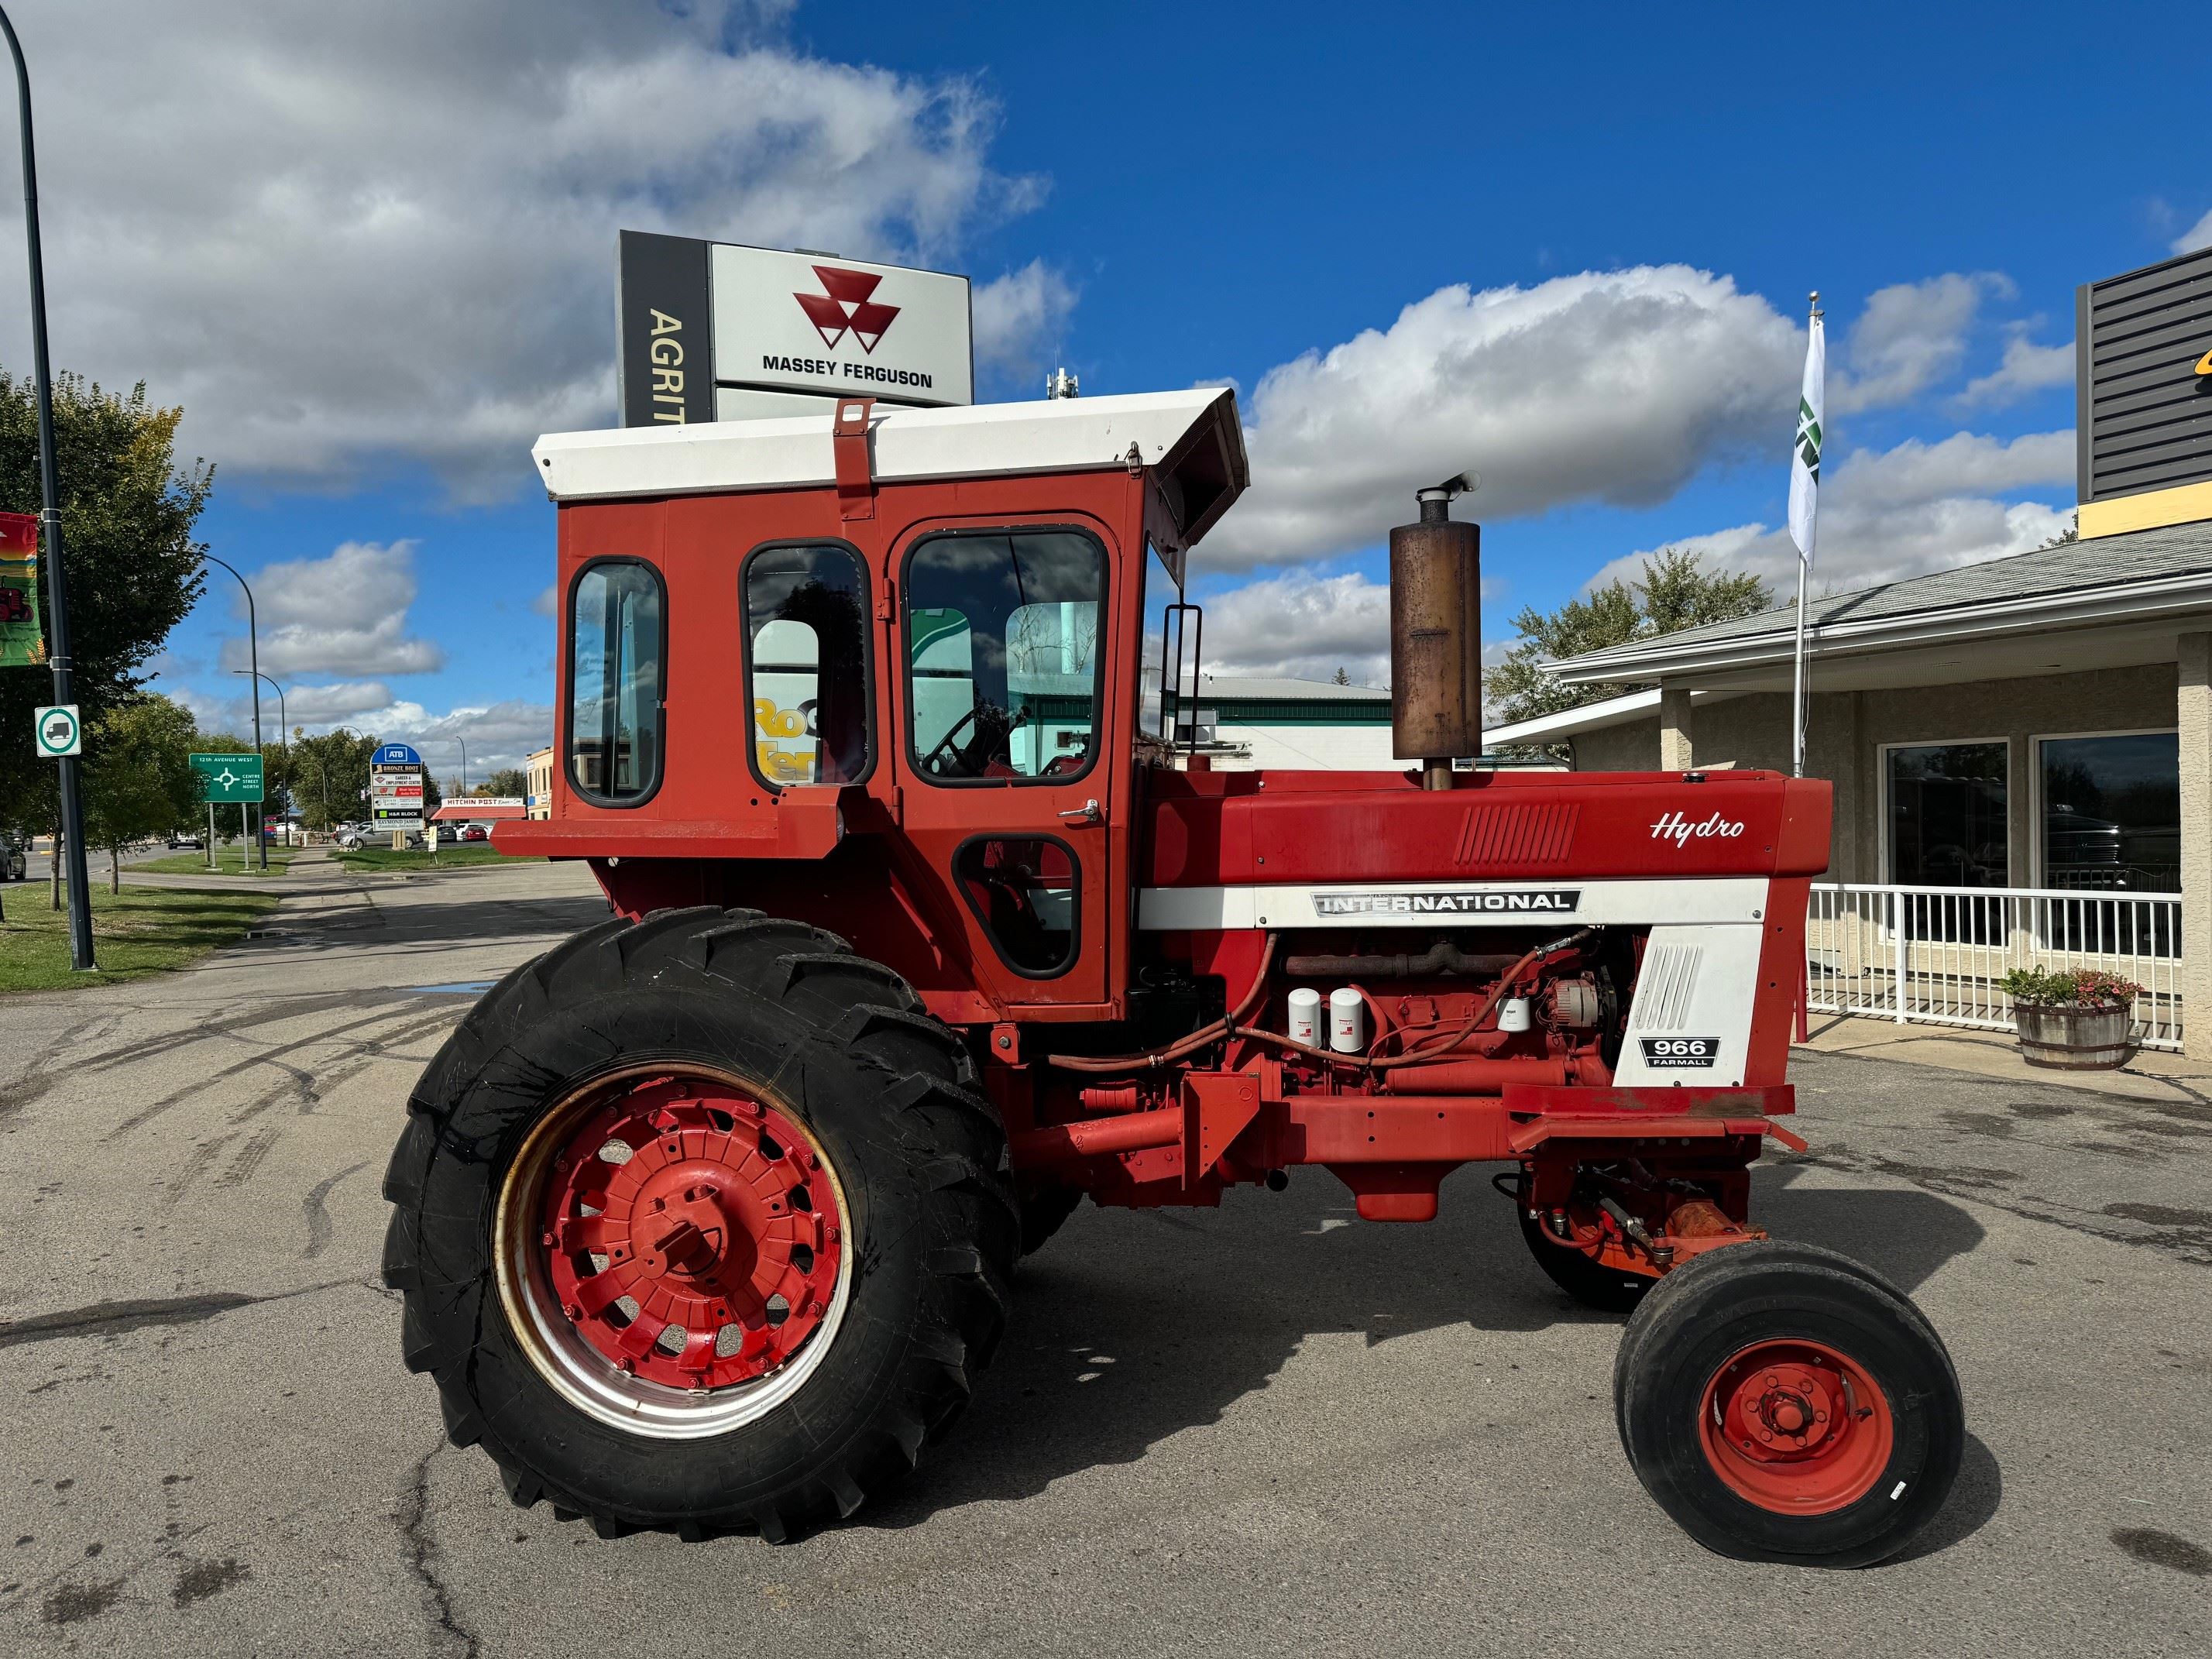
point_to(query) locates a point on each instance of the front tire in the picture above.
(700, 1224)
(1784, 1404)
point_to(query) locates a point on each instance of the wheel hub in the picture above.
(690, 1237)
(1796, 1427)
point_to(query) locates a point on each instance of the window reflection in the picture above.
(615, 681)
(1003, 666)
(807, 663)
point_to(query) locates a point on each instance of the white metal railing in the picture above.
(1933, 955)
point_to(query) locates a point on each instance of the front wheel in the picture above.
(1782, 1404)
(700, 1225)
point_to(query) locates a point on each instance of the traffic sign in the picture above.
(228, 778)
(59, 732)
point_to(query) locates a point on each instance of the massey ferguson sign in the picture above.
(711, 331)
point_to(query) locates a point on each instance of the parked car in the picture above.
(191, 839)
(15, 863)
(475, 832)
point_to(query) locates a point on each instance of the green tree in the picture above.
(508, 781)
(1677, 591)
(138, 780)
(331, 776)
(133, 567)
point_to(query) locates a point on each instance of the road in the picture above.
(38, 867)
(1261, 1429)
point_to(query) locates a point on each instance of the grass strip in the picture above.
(136, 932)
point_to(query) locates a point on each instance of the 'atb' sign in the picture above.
(228, 779)
(60, 732)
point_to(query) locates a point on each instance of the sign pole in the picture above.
(211, 866)
(50, 517)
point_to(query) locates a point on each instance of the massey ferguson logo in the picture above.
(1549, 900)
(1680, 830)
(845, 305)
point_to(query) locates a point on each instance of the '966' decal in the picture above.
(1664, 1052)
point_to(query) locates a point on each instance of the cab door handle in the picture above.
(1086, 813)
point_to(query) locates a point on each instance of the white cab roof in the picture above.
(1193, 438)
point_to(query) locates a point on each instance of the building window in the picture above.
(614, 683)
(2111, 812)
(1948, 822)
(807, 663)
(1003, 658)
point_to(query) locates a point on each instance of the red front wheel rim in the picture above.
(1797, 1427)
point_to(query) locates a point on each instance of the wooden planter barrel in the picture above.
(2073, 1039)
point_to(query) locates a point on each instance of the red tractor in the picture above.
(931, 921)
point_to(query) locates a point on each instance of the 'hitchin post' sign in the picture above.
(711, 328)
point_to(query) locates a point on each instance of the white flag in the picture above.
(1805, 453)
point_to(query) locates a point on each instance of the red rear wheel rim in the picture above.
(1797, 1427)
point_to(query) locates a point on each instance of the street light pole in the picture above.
(463, 742)
(284, 736)
(49, 520)
(253, 656)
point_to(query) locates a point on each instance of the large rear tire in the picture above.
(1784, 1404)
(701, 1224)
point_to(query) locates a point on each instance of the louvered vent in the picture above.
(1516, 835)
(1664, 989)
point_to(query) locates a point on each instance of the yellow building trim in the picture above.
(2183, 504)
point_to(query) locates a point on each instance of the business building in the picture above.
(538, 766)
(2021, 750)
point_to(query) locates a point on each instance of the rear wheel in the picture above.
(1784, 1405)
(700, 1224)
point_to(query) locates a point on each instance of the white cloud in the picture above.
(1615, 386)
(1302, 626)
(1900, 512)
(2197, 235)
(1020, 320)
(547, 602)
(499, 736)
(344, 614)
(338, 236)
(2027, 368)
(1908, 337)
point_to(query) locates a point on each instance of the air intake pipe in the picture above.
(1436, 637)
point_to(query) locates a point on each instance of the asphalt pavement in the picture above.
(1265, 1429)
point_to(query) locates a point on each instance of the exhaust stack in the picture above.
(1436, 637)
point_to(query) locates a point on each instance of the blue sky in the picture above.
(368, 317)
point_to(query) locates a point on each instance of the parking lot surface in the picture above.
(1265, 1429)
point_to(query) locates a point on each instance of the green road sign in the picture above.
(229, 778)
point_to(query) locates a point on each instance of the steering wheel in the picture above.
(951, 759)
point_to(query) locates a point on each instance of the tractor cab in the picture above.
(887, 667)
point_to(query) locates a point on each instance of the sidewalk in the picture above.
(2151, 1075)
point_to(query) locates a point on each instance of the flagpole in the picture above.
(1797, 670)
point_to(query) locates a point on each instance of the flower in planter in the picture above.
(2074, 987)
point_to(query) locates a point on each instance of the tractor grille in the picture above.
(1665, 987)
(1516, 835)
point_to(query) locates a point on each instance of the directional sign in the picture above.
(59, 732)
(228, 778)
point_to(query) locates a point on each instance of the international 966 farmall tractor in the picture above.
(931, 920)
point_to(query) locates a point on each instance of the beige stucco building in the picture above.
(537, 798)
(2021, 750)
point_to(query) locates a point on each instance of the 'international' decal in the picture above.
(1455, 902)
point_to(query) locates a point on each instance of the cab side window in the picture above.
(1003, 655)
(805, 613)
(616, 682)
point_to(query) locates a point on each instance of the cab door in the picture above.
(1008, 794)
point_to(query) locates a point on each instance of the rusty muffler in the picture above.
(1436, 637)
